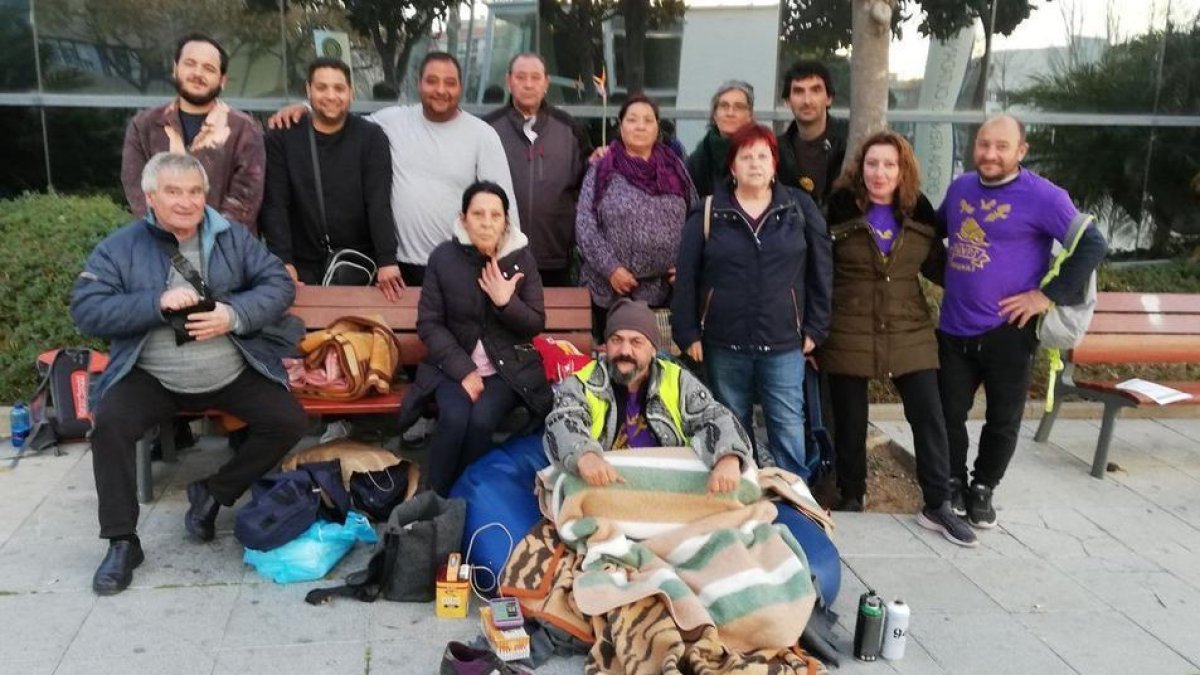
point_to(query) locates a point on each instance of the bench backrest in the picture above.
(1142, 328)
(568, 313)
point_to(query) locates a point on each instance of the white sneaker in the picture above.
(336, 430)
(419, 431)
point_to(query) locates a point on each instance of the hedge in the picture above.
(46, 238)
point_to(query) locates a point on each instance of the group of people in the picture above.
(483, 213)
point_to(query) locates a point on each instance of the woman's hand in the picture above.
(725, 475)
(473, 385)
(696, 352)
(671, 276)
(596, 471)
(622, 281)
(499, 289)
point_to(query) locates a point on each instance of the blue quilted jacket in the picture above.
(116, 296)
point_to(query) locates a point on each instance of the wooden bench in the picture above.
(568, 317)
(1128, 328)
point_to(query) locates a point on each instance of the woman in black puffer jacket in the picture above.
(481, 305)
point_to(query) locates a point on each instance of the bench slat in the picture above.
(1142, 303)
(1192, 388)
(1160, 324)
(1141, 348)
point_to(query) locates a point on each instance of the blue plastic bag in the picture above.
(312, 554)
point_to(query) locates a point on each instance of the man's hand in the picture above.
(499, 289)
(725, 475)
(622, 281)
(287, 116)
(473, 384)
(596, 471)
(389, 281)
(178, 298)
(1020, 308)
(809, 345)
(696, 352)
(208, 325)
(291, 270)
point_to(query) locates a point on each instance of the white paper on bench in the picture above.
(1155, 392)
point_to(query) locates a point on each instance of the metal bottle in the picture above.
(868, 630)
(895, 633)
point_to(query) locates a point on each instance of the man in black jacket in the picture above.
(813, 146)
(356, 181)
(547, 155)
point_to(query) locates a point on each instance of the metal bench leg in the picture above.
(145, 479)
(166, 441)
(1100, 461)
(1047, 423)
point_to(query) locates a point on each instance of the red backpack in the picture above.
(60, 409)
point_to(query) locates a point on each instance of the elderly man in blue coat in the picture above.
(194, 309)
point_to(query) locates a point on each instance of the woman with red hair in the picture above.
(884, 234)
(752, 293)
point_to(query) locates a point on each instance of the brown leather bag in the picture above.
(352, 357)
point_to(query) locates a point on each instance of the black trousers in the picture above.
(413, 275)
(557, 278)
(464, 429)
(137, 403)
(1002, 361)
(923, 410)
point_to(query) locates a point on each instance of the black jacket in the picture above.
(789, 172)
(757, 291)
(454, 314)
(546, 176)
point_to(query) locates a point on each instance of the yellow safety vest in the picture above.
(668, 391)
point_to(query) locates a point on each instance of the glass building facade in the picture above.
(1110, 90)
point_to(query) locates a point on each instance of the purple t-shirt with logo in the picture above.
(884, 227)
(999, 242)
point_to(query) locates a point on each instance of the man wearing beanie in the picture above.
(631, 399)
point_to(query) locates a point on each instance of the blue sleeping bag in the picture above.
(499, 489)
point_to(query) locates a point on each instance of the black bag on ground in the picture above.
(418, 537)
(377, 493)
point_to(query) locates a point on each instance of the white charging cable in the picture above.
(494, 585)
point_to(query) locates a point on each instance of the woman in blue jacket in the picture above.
(752, 292)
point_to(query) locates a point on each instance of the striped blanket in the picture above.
(713, 560)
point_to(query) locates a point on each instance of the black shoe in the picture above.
(851, 504)
(958, 498)
(979, 507)
(952, 527)
(116, 570)
(202, 514)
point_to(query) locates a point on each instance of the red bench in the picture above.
(1128, 328)
(568, 317)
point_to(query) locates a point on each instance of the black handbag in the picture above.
(345, 266)
(376, 493)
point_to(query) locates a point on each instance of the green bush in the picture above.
(1177, 276)
(46, 239)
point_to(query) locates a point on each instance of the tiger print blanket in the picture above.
(662, 577)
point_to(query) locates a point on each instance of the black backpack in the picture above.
(60, 409)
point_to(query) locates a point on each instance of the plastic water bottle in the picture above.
(895, 635)
(20, 423)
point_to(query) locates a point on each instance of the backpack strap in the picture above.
(365, 585)
(707, 216)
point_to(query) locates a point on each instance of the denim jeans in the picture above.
(742, 377)
(464, 429)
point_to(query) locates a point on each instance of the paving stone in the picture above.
(1147, 530)
(1140, 592)
(994, 543)
(1177, 628)
(876, 534)
(926, 584)
(185, 622)
(992, 643)
(49, 564)
(190, 663)
(328, 657)
(1079, 638)
(1027, 585)
(1053, 533)
(270, 614)
(40, 626)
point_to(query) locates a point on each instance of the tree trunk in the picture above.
(868, 70)
(635, 14)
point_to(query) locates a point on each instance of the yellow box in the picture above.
(453, 598)
(511, 644)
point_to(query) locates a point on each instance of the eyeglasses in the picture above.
(726, 106)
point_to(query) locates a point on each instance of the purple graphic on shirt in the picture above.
(999, 243)
(884, 227)
(632, 430)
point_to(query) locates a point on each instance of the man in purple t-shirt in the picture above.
(1001, 221)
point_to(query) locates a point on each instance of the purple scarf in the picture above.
(662, 174)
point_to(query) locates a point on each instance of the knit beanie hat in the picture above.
(626, 314)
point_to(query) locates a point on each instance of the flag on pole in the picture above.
(601, 81)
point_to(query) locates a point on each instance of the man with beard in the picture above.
(813, 146)
(634, 400)
(355, 209)
(437, 152)
(227, 142)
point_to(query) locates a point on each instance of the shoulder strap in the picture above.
(184, 267)
(364, 585)
(316, 165)
(707, 216)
